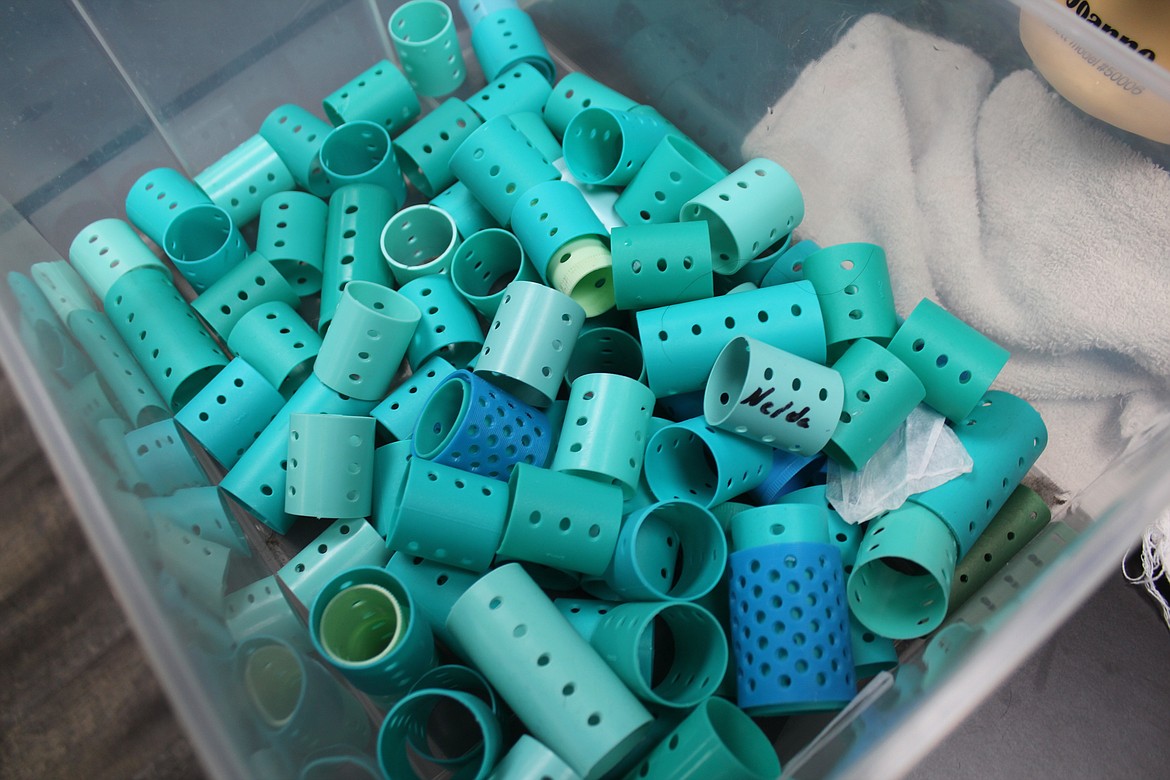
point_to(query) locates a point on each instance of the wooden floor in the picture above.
(77, 699)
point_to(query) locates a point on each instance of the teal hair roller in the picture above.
(448, 327)
(551, 678)
(434, 588)
(360, 152)
(343, 545)
(353, 234)
(254, 282)
(104, 251)
(693, 461)
(857, 298)
(291, 235)
(560, 520)
(330, 466)
(419, 241)
(676, 171)
(367, 341)
(606, 350)
(158, 197)
(508, 37)
(398, 413)
(380, 94)
(160, 328)
(297, 135)
(231, 410)
(748, 211)
(955, 362)
(485, 263)
(424, 37)
(522, 89)
(606, 427)
(576, 92)
(773, 396)
(242, 179)
(278, 343)
(661, 264)
(203, 244)
(424, 150)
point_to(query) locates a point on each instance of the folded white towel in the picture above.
(1005, 205)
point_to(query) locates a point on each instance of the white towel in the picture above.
(1005, 205)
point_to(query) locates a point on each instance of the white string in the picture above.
(1155, 545)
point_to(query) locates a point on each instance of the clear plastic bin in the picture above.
(96, 93)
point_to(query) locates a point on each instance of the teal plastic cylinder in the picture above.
(585, 615)
(353, 235)
(773, 396)
(716, 740)
(55, 290)
(676, 171)
(560, 520)
(424, 150)
(528, 758)
(159, 327)
(161, 456)
(857, 298)
(469, 214)
(258, 479)
(410, 722)
(608, 147)
(531, 123)
(680, 343)
(508, 37)
(661, 264)
(251, 283)
(528, 346)
(398, 413)
(576, 92)
(106, 250)
(880, 393)
(157, 197)
(955, 362)
(748, 211)
(242, 179)
(604, 350)
(499, 166)
(872, 654)
(846, 537)
(380, 94)
(487, 262)
(297, 135)
(124, 378)
(549, 216)
(204, 244)
(448, 327)
(434, 587)
(901, 581)
(1004, 435)
(360, 152)
(291, 234)
(367, 341)
(693, 666)
(344, 544)
(364, 624)
(606, 428)
(231, 411)
(672, 550)
(278, 343)
(391, 462)
(693, 461)
(424, 37)
(780, 524)
(419, 241)
(448, 515)
(551, 678)
(789, 267)
(330, 466)
(520, 89)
